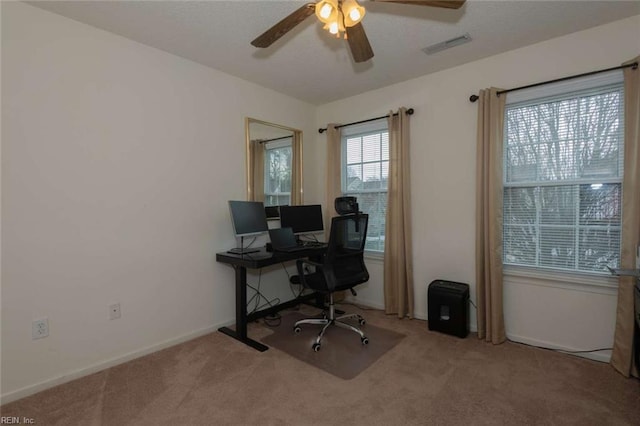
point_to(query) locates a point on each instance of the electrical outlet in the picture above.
(114, 311)
(40, 328)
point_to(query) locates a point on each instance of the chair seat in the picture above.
(317, 283)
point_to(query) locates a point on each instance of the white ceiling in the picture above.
(311, 65)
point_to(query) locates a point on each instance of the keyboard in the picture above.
(291, 249)
(313, 244)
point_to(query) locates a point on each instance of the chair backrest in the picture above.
(344, 260)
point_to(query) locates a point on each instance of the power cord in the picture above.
(286, 271)
(560, 350)
(258, 296)
(302, 289)
(251, 243)
(273, 320)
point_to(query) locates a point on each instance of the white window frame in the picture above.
(549, 276)
(359, 130)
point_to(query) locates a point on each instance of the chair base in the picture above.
(331, 319)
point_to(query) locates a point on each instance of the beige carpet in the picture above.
(342, 353)
(428, 378)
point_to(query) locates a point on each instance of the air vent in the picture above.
(438, 47)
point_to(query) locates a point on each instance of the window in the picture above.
(365, 170)
(563, 159)
(277, 173)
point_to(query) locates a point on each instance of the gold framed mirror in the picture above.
(274, 163)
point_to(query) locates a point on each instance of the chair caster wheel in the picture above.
(297, 329)
(361, 321)
(365, 341)
(316, 347)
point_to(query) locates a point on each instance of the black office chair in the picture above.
(342, 268)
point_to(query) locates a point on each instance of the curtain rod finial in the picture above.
(321, 130)
(473, 98)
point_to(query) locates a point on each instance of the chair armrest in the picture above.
(300, 263)
(324, 270)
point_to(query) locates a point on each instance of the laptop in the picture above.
(282, 239)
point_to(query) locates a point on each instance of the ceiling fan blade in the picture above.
(449, 4)
(359, 43)
(287, 24)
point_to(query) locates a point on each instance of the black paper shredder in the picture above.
(448, 307)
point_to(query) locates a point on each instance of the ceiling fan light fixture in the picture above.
(353, 12)
(325, 12)
(340, 16)
(325, 9)
(336, 26)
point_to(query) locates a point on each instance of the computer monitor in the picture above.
(248, 218)
(273, 212)
(302, 219)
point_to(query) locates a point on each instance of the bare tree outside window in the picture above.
(563, 181)
(277, 182)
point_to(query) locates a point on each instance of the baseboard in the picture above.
(364, 302)
(601, 356)
(8, 397)
(417, 315)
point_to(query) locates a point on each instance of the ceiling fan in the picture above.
(340, 16)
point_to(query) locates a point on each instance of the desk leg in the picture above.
(240, 332)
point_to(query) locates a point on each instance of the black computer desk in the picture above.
(258, 260)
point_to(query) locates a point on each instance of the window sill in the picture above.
(377, 256)
(601, 284)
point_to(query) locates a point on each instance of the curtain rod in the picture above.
(274, 139)
(321, 130)
(633, 65)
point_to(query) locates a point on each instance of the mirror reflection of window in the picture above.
(277, 172)
(274, 163)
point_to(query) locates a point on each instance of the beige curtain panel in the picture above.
(622, 356)
(256, 171)
(398, 255)
(296, 170)
(333, 180)
(489, 188)
(333, 183)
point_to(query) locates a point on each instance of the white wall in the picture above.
(118, 161)
(443, 152)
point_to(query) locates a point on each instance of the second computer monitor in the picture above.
(302, 219)
(248, 218)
